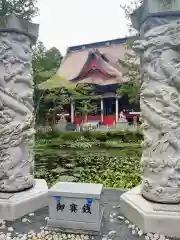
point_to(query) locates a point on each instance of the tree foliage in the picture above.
(131, 62)
(25, 9)
(133, 74)
(56, 99)
(45, 62)
(83, 89)
(85, 107)
(51, 102)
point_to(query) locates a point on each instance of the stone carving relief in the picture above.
(160, 107)
(166, 4)
(16, 113)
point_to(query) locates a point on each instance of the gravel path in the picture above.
(115, 226)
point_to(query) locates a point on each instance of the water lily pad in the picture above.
(59, 170)
(70, 165)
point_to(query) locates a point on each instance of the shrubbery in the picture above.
(124, 136)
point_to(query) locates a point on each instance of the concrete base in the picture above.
(73, 225)
(149, 216)
(16, 205)
(76, 226)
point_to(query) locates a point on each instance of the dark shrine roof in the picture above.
(98, 44)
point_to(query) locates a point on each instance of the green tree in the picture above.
(55, 56)
(133, 74)
(45, 62)
(131, 62)
(53, 102)
(25, 9)
(82, 89)
(39, 52)
(85, 107)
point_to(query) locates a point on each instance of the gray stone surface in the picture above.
(75, 206)
(16, 104)
(12, 23)
(154, 8)
(149, 216)
(112, 228)
(70, 189)
(160, 102)
(159, 25)
(14, 206)
(70, 225)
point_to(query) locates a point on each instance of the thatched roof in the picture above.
(77, 59)
(77, 62)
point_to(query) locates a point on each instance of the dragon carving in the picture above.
(16, 113)
(160, 104)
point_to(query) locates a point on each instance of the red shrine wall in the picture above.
(109, 120)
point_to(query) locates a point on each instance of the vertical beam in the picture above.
(117, 109)
(72, 112)
(102, 110)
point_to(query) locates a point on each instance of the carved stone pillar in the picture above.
(160, 104)
(159, 24)
(16, 104)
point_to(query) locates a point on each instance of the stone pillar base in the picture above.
(149, 216)
(16, 205)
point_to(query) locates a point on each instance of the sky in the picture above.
(65, 23)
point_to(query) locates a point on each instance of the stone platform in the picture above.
(16, 205)
(115, 226)
(149, 216)
(112, 228)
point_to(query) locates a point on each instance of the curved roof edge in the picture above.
(98, 44)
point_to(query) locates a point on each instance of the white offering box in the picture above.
(75, 206)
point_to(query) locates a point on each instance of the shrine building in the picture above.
(98, 64)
